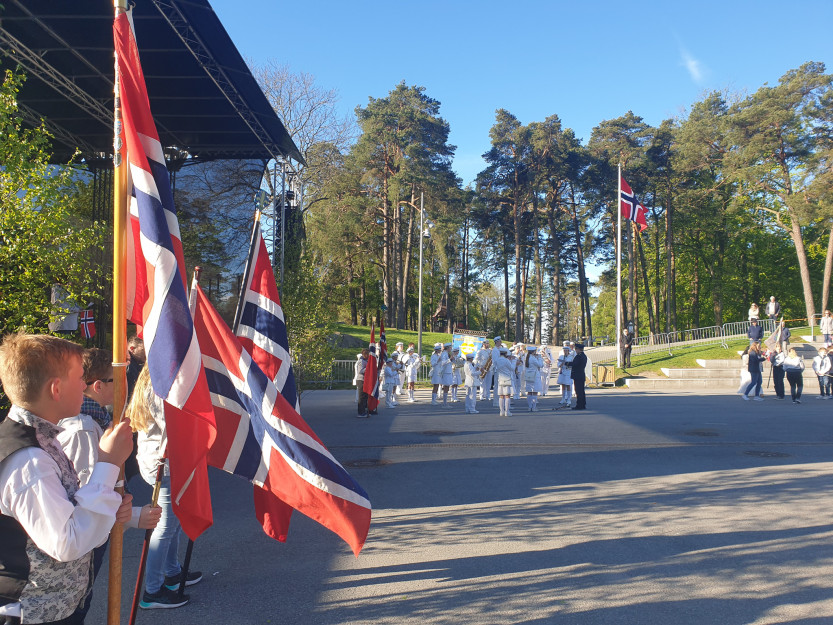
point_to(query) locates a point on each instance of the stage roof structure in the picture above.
(204, 99)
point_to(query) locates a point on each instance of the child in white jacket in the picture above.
(821, 367)
(472, 381)
(391, 380)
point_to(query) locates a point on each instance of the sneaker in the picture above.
(819, 396)
(475, 412)
(162, 598)
(362, 416)
(194, 577)
(745, 397)
(758, 398)
(798, 401)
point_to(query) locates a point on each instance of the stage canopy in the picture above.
(205, 102)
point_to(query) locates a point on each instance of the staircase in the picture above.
(724, 374)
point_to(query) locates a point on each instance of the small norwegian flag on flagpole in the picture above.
(631, 208)
(86, 324)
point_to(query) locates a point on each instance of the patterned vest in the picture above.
(53, 589)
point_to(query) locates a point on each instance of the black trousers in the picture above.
(362, 402)
(626, 357)
(579, 388)
(778, 381)
(796, 380)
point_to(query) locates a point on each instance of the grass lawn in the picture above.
(683, 357)
(392, 335)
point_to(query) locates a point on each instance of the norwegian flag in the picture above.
(631, 208)
(87, 324)
(161, 303)
(371, 377)
(262, 328)
(262, 438)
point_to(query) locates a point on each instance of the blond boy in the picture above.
(50, 525)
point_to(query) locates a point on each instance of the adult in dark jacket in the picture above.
(626, 346)
(776, 358)
(754, 368)
(755, 333)
(578, 376)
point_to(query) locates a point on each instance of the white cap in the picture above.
(566, 343)
(531, 348)
(456, 349)
(438, 345)
(502, 350)
(389, 360)
(497, 338)
(410, 349)
(470, 356)
(446, 345)
(400, 343)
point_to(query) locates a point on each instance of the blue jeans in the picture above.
(163, 560)
(757, 379)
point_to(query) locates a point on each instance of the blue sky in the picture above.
(584, 61)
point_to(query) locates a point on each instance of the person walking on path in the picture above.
(826, 327)
(794, 368)
(776, 359)
(754, 367)
(627, 347)
(821, 367)
(578, 374)
(755, 333)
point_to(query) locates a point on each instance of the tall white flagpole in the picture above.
(618, 205)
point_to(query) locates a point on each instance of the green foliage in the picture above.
(43, 240)
(310, 321)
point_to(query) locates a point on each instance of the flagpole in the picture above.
(114, 578)
(618, 205)
(247, 270)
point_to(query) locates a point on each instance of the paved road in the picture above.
(645, 509)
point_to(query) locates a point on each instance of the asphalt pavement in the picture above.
(647, 508)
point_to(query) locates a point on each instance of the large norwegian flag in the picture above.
(173, 353)
(262, 328)
(631, 208)
(262, 438)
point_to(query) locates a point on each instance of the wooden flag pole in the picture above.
(119, 326)
(140, 576)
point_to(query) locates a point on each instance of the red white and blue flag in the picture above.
(160, 303)
(262, 327)
(371, 375)
(631, 208)
(262, 438)
(86, 323)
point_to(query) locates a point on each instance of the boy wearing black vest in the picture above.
(49, 525)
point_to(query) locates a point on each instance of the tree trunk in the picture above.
(539, 283)
(695, 308)
(555, 334)
(506, 322)
(406, 270)
(828, 269)
(518, 270)
(386, 246)
(582, 275)
(670, 321)
(804, 269)
(652, 328)
(632, 312)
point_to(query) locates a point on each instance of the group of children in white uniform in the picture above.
(514, 370)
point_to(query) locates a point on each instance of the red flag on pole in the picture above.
(371, 375)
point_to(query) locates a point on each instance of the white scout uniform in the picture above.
(490, 377)
(546, 369)
(480, 362)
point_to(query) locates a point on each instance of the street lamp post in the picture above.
(419, 305)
